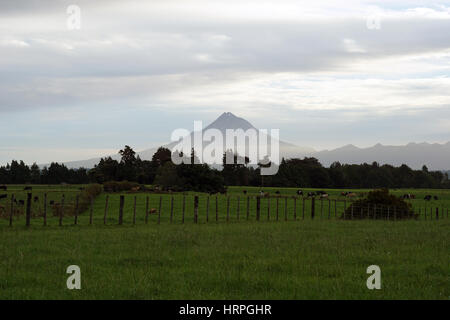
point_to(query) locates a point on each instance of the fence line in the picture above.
(340, 209)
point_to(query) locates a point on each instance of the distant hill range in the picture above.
(434, 156)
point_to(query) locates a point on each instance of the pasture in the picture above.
(324, 258)
(233, 207)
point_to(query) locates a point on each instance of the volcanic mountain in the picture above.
(226, 121)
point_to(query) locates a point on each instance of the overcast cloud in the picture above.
(320, 71)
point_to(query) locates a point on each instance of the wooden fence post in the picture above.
(62, 210)
(258, 207)
(184, 209)
(238, 207)
(437, 213)
(91, 210)
(295, 208)
(121, 204)
(28, 210)
(278, 198)
(313, 207)
(171, 209)
(147, 200)
(77, 199)
(106, 209)
(329, 209)
(159, 209)
(45, 209)
(217, 209)
(335, 208)
(228, 208)
(345, 207)
(12, 211)
(207, 209)
(303, 209)
(248, 207)
(285, 209)
(196, 209)
(134, 209)
(321, 208)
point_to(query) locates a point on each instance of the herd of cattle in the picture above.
(320, 194)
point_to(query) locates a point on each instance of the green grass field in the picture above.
(304, 259)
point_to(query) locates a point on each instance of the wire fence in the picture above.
(67, 208)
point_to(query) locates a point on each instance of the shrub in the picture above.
(84, 200)
(119, 186)
(379, 204)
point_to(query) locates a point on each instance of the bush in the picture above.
(119, 186)
(379, 204)
(84, 201)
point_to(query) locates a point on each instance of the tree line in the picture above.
(160, 170)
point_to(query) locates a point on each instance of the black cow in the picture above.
(311, 194)
(427, 197)
(52, 202)
(36, 199)
(27, 188)
(3, 196)
(3, 188)
(436, 198)
(277, 192)
(299, 192)
(244, 191)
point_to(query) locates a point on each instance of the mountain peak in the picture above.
(228, 120)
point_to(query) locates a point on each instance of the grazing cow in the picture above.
(311, 194)
(427, 197)
(277, 192)
(2, 209)
(135, 189)
(27, 188)
(36, 199)
(351, 195)
(324, 195)
(52, 202)
(436, 198)
(299, 192)
(344, 193)
(153, 210)
(244, 191)
(3, 188)
(3, 196)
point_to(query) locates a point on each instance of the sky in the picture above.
(326, 73)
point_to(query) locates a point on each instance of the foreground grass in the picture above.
(246, 260)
